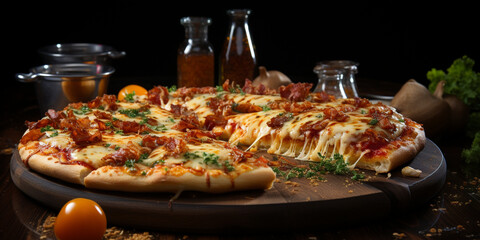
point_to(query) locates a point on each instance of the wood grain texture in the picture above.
(290, 205)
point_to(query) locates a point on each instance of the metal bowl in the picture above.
(90, 53)
(57, 85)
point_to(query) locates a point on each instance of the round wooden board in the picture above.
(297, 204)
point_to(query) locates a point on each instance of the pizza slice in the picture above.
(371, 137)
(137, 146)
(308, 126)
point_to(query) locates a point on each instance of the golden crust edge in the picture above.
(109, 179)
(400, 156)
(72, 173)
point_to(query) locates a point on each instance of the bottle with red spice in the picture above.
(195, 58)
(238, 58)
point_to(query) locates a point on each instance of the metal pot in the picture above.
(57, 85)
(91, 53)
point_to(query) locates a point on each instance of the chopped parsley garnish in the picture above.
(144, 156)
(229, 167)
(190, 155)
(129, 97)
(159, 128)
(288, 115)
(49, 128)
(265, 108)
(237, 89)
(373, 121)
(130, 164)
(219, 88)
(82, 111)
(133, 113)
(209, 159)
(173, 88)
(158, 162)
(315, 170)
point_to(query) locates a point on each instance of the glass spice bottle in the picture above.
(195, 57)
(238, 58)
(350, 68)
(331, 82)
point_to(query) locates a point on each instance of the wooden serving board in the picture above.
(296, 204)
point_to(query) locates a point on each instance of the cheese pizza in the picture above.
(204, 139)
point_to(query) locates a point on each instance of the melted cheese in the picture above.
(194, 158)
(289, 140)
(92, 155)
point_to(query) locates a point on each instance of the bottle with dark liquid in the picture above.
(238, 58)
(195, 58)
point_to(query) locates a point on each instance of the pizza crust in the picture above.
(51, 166)
(398, 157)
(113, 179)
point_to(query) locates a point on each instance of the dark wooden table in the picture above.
(453, 214)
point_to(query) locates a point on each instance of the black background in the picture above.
(392, 40)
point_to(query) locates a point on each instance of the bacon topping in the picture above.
(158, 95)
(237, 154)
(315, 127)
(212, 121)
(78, 127)
(131, 151)
(187, 122)
(333, 114)
(259, 89)
(382, 114)
(295, 91)
(322, 97)
(38, 124)
(108, 102)
(174, 146)
(187, 93)
(279, 120)
(32, 135)
(82, 137)
(102, 115)
(297, 107)
(371, 140)
(247, 108)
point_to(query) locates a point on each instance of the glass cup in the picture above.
(349, 68)
(331, 82)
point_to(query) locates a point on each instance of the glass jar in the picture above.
(195, 58)
(350, 68)
(238, 58)
(331, 82)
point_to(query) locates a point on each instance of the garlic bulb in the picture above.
(271, 79)
(414, 101)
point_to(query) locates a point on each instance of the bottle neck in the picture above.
(239, 16)
(196, 33)
(196, 28)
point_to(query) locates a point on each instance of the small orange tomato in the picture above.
(80, 218)
(132, 88)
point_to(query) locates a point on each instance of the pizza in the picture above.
(206, 138)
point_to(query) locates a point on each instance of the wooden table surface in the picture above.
(453, 214)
